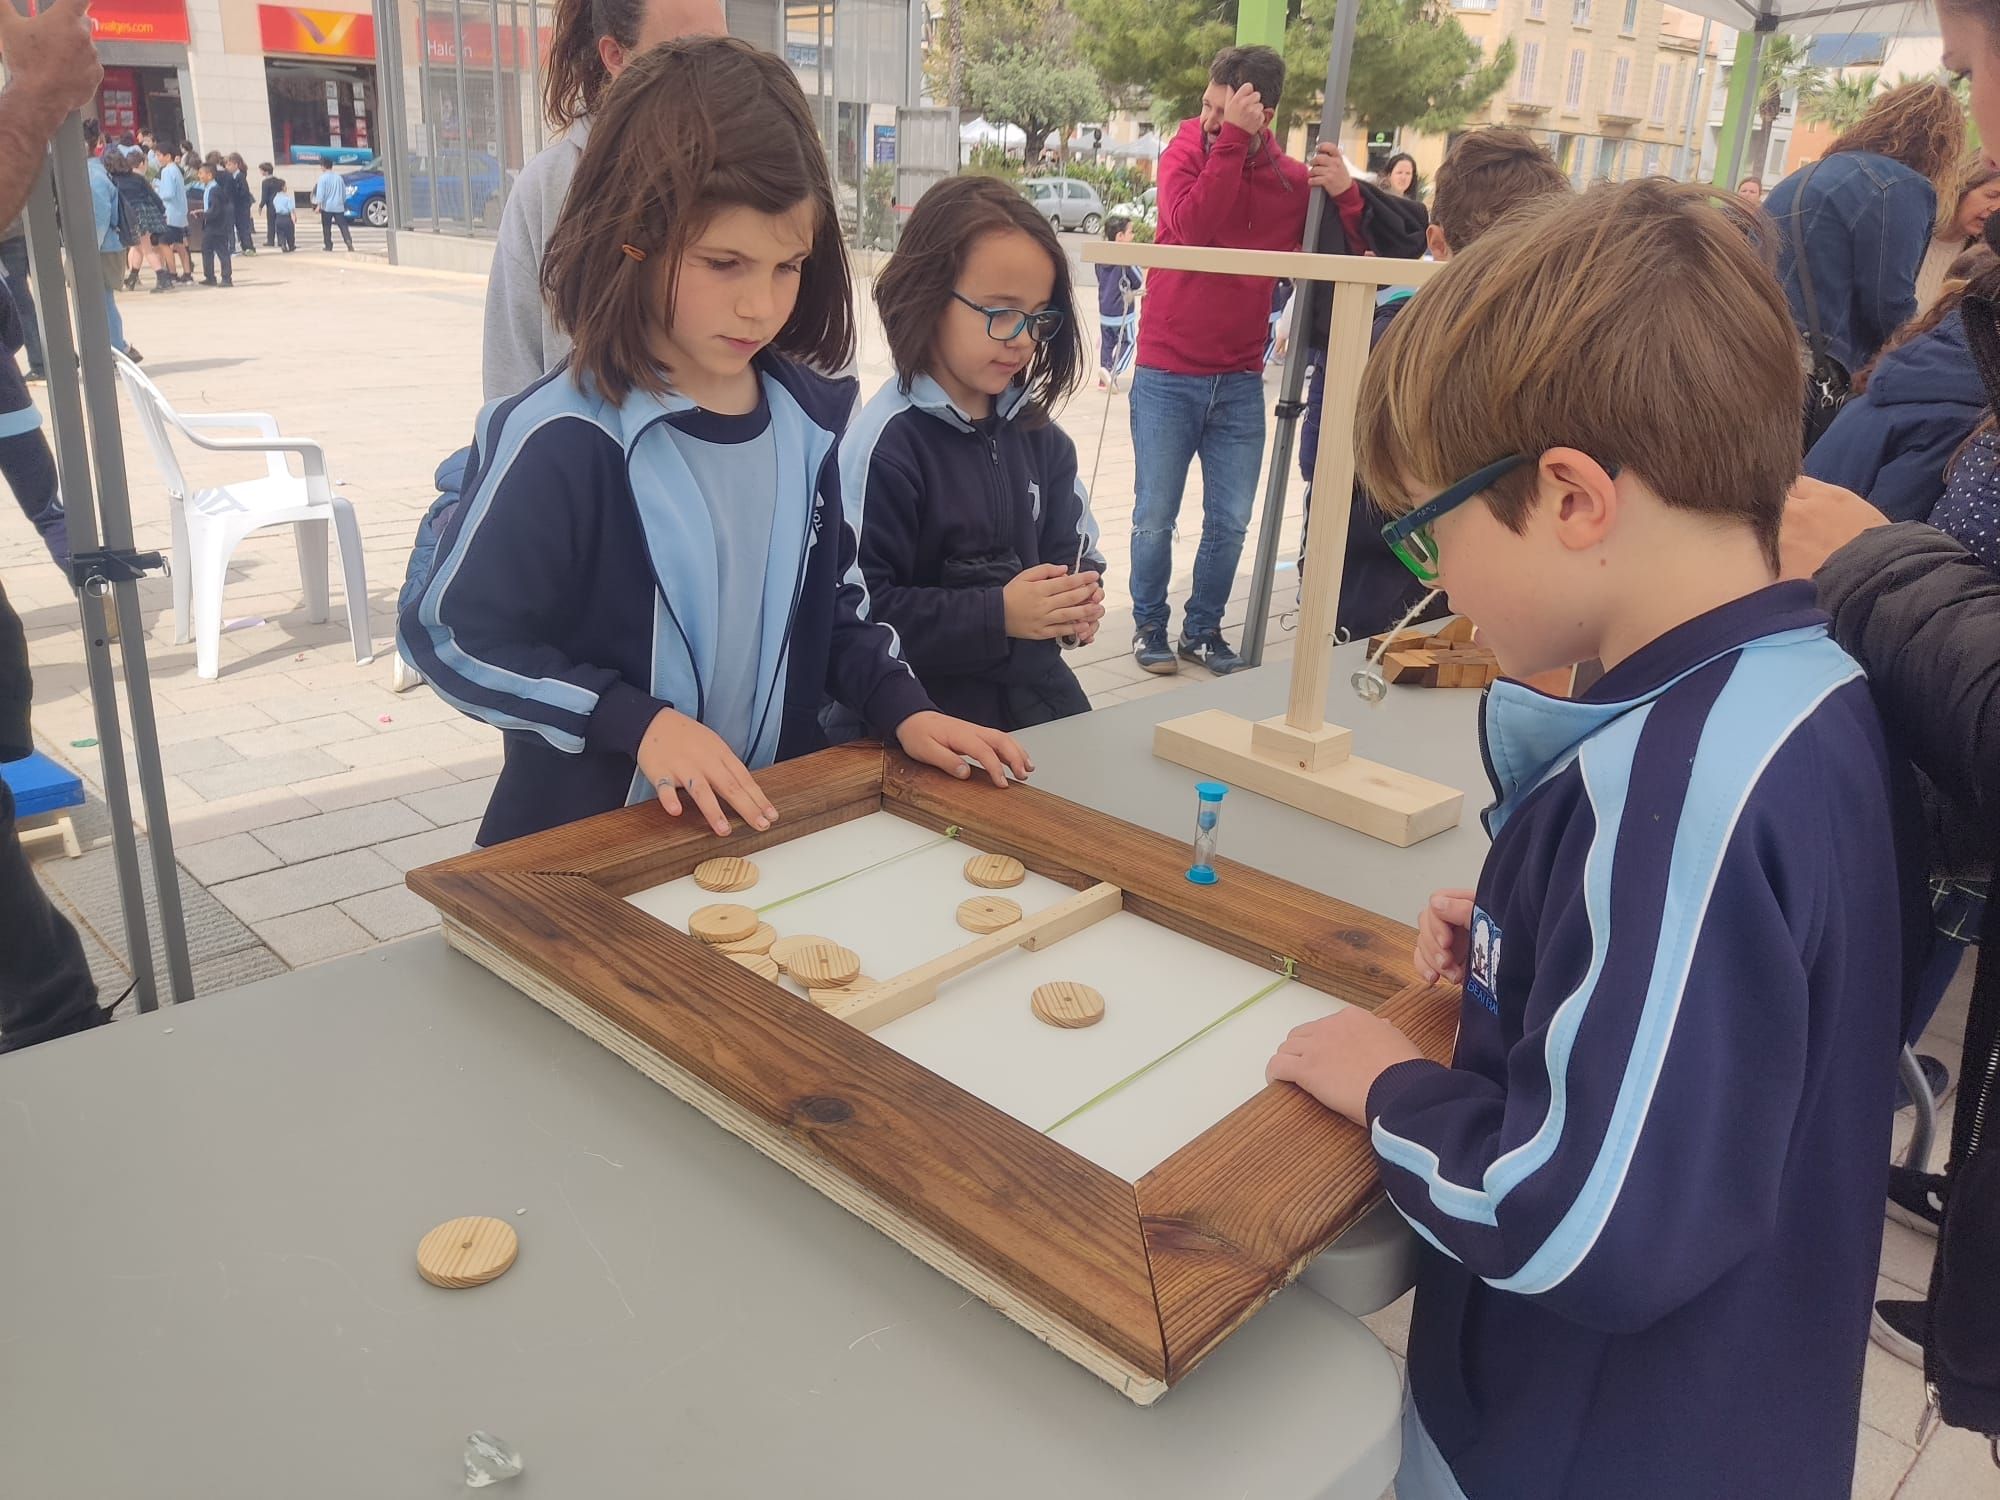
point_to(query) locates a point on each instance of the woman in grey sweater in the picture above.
(594, 41)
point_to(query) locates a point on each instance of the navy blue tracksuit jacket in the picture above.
(1651, 1182)
(574, 594)
(949, 509)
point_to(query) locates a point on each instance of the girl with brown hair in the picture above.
(594, 42)
(1853, 226)
(649, 580)
(977, 542)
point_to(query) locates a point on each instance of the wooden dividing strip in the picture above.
(1233, 1216)
(915, 988)
(1339, 948)
(1047, 1237)
(1298, 265)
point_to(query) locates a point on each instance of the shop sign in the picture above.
(137, 20)
(316, 33)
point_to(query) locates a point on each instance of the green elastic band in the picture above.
(1124, 1083)
(851, 874)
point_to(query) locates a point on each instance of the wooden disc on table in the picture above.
(467, 1252)
(823, 965)
(828, 996)
(784, 948)
(759, 964)
(726, 923)
(983, 914)
(1067, 1004)
(758, 942)
(725, 874)
(996, 872)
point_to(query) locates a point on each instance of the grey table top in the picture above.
(208, 1228)
(1104, 759)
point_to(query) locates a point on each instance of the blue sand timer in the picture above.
(1207, 826)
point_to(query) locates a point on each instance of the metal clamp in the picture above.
(95, 572)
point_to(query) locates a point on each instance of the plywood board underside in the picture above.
(1152, 1274)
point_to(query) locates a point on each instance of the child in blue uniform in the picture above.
(1118, 290)
(648, 581)
(1650, 1181)
(977, 541)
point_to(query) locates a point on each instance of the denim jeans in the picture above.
(1220, 418)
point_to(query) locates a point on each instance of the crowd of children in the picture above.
(1650, 1181)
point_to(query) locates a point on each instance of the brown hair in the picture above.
(1963, 269)
(690, 128)
(1485, 175)
(1563, 326)
(1921, 125)
(1973, 175)
(576, 76)
(1261, 67)
(914, 291)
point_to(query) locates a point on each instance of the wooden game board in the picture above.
(1135, 1231)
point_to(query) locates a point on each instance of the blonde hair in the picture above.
(1921, 125)
(1640, 322)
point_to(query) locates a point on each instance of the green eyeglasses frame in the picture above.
(1042, 326)
(1410, 537)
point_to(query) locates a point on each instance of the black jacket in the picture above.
(17, 687)
(1392, 225)
(269, 189)
(947, 511)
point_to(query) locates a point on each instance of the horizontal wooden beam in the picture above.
(916, 988)
(1299, 265)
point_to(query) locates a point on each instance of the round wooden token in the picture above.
(467, 1252)
(758, 942)
(782, 950)
(1067, 1004)
(757, 963)
(823, 965)
(828, 996)
(996, 872)
(723, 924)
(725, 874)
(985, 914)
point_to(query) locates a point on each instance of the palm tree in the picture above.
(1787, 69)
(1842, 101)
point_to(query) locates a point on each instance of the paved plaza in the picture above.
(301, 788)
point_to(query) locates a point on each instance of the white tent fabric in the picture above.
(1146, 148)
(979, 131)
(1817, 17)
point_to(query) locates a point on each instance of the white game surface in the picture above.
(889, 889)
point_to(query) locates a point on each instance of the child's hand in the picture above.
(680, 754)
(1337, 1059)
(1047, 600)
(1444, 934)
(944, 742)
(1819, 520)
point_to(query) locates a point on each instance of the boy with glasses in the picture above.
(1650, 1181)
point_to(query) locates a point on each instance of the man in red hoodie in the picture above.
(1199, 387)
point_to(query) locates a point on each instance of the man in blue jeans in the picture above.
(1199, 387)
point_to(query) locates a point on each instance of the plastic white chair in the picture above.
(209, 523)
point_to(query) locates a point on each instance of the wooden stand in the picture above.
(1298, 758)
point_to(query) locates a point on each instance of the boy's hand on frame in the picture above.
(684, 757)
(1444, 936)
(1047, 600)
(938, 740)
(1337, 1059)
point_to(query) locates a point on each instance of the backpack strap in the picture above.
(1815, 339)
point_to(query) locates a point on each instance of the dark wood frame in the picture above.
(1138, 1281)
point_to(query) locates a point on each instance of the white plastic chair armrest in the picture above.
(261, 422)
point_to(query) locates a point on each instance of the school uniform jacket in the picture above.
(947, 511)
(575, 594)
(1651, 1182)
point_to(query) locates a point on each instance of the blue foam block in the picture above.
(40, 785)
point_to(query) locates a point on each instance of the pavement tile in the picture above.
(199, 821)
(1955, 1465)
(334, 832)
(387, 745)
(394, 912)
(223, 859)
(374, 784)
(318, 882)
(1880, 1464)
(262, 774)
(428, 848)
(301, 734)
(319, 932)
(454, 803)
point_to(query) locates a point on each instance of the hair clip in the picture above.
(634, 251)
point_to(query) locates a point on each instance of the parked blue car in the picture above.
(443, 181)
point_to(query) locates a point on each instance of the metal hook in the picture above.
(1369, 685)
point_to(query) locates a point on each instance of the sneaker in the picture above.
(132, 353)
(1898, 1327)
(38, 377)
(208, 281)
(1213, 652)
(1149, 650)
(1916, 1199)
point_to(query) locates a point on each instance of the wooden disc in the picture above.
(823, 965)
(758, 942)
(757, 963)
(983, 914)
(726, 923)
(1067, 1004)
(467, 1252)
(833, 994)
(996, 872)
(782, 950)
(725, 874)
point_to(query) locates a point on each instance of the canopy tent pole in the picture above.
(1293, 380)
(1739, 114)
